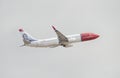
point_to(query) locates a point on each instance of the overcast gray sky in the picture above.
(99, 58)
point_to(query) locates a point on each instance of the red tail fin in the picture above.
(21, 30)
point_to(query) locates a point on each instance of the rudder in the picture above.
(27, 38)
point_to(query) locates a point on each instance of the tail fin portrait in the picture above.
(27, 38)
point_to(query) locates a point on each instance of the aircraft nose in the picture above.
(95, 35)
(88, 36)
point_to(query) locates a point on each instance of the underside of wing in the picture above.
(63, 40)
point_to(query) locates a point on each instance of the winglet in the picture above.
(53, 27)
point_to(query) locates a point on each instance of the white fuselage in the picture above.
(54, 42)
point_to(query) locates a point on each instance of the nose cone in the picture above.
(88, 36)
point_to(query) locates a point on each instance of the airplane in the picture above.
(60, 40)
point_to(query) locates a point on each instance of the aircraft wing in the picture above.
(63, 40)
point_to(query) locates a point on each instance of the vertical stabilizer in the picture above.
(27, 38)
